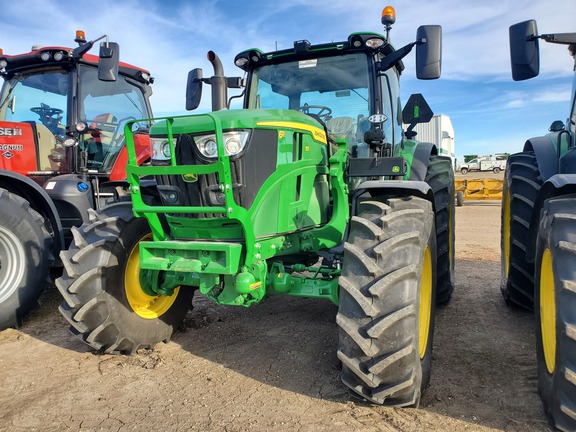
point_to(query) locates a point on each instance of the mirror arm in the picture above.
(392, 59)
(83, 49)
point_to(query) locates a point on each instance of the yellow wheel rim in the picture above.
(548, 311)
(425, 303)
(144, 305)
(506, 233)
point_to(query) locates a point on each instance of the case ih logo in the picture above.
(10, 131)
(8, 155)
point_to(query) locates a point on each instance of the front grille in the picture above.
(249, 171)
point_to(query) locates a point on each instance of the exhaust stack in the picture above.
(219, 83)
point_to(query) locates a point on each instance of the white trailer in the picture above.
(438, 131)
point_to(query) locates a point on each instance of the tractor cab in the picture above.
(64, 111)
(350, 87)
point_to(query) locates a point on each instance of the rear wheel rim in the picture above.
(425, 313)
(144, 305)
(12, 263)
(548, 311)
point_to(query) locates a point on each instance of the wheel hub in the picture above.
(142, 303)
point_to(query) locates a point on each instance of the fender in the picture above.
(39, 200)
(393, 188)
(556, 186)
(546, 155)
(419, 154)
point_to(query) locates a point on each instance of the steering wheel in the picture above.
(46, 111)
(323, 111)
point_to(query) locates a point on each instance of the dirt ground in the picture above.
(274, 366)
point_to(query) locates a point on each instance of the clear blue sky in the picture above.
(490, 112)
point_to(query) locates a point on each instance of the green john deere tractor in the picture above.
(311, 190)
(539, 236)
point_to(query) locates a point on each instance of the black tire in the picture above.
(555, 309)
(389, 260)
(25, 258)
(464, 171)
(440, 177)
(522, 183)
(460, 199)
(100, 272)
(496, 170)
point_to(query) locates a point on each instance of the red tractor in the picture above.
(62, 152)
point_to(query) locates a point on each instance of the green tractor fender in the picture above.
(555, 186)
(417, 155)
(388, 188)
(546, 155)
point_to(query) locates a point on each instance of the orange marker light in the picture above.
(388, 16)
(80, 34)
(1, 51)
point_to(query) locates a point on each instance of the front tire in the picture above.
(522, 182)
(555, 309)
(104, 302)
(387, 301)
(25, 258)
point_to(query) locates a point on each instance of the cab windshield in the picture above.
(42, 99)
(333, 89)
(105, 107)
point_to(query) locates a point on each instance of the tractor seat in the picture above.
(106, 125)
(340, 125)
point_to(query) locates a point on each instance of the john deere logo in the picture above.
(190, 178)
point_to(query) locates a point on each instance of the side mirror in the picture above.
(194, 89)
(109, 59)
(428, 52)
(524, 51)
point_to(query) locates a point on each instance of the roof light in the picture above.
(45, 56)
(3, 63)
(58, 56)
(80, 37)
(1, 51)
(374, 43)
(241, 61)
(388, 16)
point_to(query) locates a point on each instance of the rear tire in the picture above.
(555, 309)
(496, 170)
(25, 258)
(104, 303)
(522, 182)
(440, 177)
(387, 301)
(464, 171)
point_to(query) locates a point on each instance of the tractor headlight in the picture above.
(160, 150)
(234, 143)
(207, 145)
